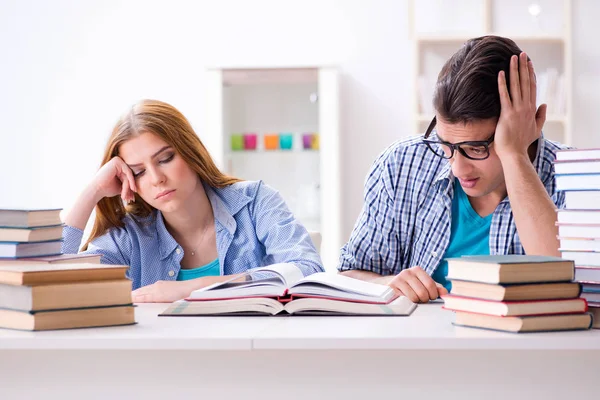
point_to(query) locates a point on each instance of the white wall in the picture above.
(68, 69)
(586, 73)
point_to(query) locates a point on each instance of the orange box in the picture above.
(271, 142)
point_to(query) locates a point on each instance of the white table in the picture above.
(422, 356)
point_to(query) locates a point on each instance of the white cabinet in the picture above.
(540, 28)
(281, 125)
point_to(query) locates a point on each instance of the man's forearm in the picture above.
(533, 210)
(365, 276)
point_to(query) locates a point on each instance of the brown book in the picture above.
(535, 291)
(510, 269)
(58, 259)
(595, 311)
(30, 218)
(512, 308)
(40, 234)
(544, 323)
(44, 274)
(65, 295)
(67, 319)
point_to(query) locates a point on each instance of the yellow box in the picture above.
(315, 142)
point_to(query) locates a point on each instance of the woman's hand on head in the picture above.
(114, 178)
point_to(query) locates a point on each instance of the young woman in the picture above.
(180, 223)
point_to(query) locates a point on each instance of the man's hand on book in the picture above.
(163, 292)
(415, 284)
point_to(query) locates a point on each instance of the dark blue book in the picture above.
(34, 249)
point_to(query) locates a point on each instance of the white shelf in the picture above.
(283, 99)
(257, 76)
(533, 38)
(461, 39)
(262, 153)
(550, 50)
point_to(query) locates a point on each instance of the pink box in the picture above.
(250, 140)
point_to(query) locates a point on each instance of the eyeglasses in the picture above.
(473, 150)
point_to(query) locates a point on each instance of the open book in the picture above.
(284, 290)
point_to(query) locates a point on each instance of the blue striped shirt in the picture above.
(254, 228)
(406, 217)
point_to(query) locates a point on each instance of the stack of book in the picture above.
(30, 233)
(41, 289)
(48, 296)
(35, 236)
(516, 294)
(578, 176)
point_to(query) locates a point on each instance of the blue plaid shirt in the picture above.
(405, 220)
(254, 228)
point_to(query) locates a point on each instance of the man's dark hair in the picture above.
(467, 86)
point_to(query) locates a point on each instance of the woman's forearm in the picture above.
(80, 213)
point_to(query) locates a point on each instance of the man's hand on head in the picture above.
(520, 124)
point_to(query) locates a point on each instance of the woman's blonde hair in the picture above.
(170, 125)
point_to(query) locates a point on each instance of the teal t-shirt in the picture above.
(469, 234)
(210, 269)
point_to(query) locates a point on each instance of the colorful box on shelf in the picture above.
(243, 141)
(315, 142)
(271, 141)
(237, 141)
(286, 141)
(310, 141)
(250, 141)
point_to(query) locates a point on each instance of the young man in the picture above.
(481, 182)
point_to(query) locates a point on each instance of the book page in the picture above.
(220, 307)
(401, 306)
(325, 283)
(287, 272)
(271, 280)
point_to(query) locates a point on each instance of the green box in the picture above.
(237, 141)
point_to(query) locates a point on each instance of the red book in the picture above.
(514, 308)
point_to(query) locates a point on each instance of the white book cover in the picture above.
(582, 200)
